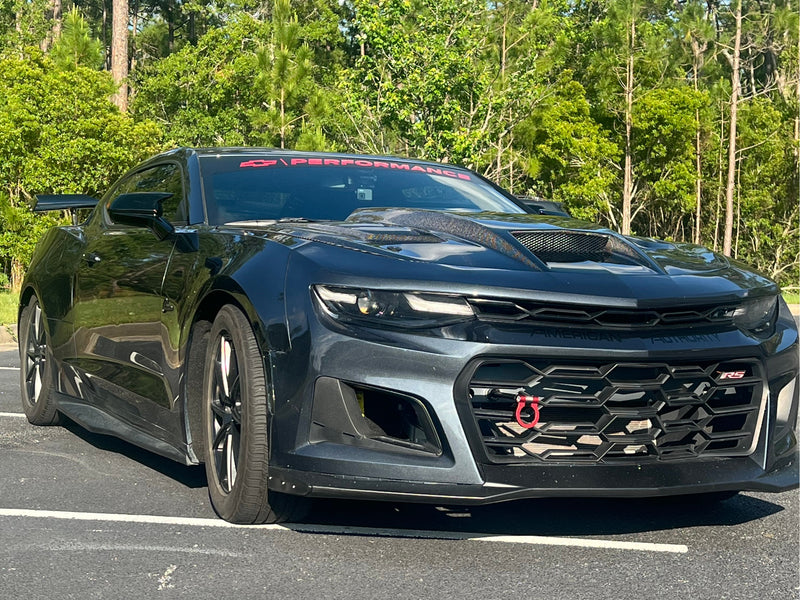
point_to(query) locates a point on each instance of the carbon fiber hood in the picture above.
(566, 253)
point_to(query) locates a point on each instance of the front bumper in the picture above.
(562, 481)
(432, 369)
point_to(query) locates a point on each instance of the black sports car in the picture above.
(325, 325)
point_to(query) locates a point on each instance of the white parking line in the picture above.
(345, 530)
(8, 414)
(9, 368)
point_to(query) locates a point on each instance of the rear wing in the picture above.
(70, 202)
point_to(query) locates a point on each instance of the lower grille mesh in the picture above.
(609, 412)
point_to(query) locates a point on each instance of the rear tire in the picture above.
(36, 367)
(236, 424)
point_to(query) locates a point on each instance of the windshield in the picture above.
(271, 187)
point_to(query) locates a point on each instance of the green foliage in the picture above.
(202, 94)
(284, 85)
(23, 24)
(8, 306)
(532, 95)
(421, 78)
(664, 133)
(575, 157)
(76, 46)
(51, 121)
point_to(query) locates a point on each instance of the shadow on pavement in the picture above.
(190, 476)
(551, 516)
(562, 517)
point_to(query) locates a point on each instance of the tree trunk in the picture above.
(134, 26)
(627, 185)
(718, 202)
(697, 62)
(797, 111)
(57, 14)
(698, 179)
(17, 275)
(735, 85)
(106, 43)
(119, 52)
(54, 14)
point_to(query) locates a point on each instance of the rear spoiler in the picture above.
(70, 202)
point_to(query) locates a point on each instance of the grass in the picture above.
(791, 297)
(8, 308)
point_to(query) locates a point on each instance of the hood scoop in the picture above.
(569, 246)
(455, 225)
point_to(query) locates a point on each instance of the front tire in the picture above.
(36, 367)
(236, 423)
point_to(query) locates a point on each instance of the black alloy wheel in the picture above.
(236, 423)
(36, 367)
(226, 409)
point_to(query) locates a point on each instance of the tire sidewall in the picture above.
(226, 503)
(39, 411)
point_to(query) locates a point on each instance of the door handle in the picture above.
(91, 258)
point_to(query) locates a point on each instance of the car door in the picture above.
(118, 306)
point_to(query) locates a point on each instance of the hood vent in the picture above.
(436, 222)
(564, 246)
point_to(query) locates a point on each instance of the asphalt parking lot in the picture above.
(87, 516)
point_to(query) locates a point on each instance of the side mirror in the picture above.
(142, 209)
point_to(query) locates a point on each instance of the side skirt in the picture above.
(97, 421)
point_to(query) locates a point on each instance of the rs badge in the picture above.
(731, 374)
(527, 421)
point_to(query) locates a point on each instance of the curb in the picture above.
(8, 334)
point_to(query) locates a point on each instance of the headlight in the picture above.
(394, 309)
(757, 315)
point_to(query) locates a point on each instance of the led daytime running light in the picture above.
(443, 306)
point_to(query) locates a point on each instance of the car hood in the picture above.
(565, 252)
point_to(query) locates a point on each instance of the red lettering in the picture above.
(732, 375)
(258, 163)
(360, 162)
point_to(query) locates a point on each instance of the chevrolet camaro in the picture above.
(315, 325)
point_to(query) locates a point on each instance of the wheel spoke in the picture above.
(225, 406)
(219, 411)
(225, 364)
(230, 456)
(37, 322)
(35, 356)
(37, 383)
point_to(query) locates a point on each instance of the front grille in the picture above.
(521, 311)
(615, 411)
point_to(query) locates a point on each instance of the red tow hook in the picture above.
(521, 402)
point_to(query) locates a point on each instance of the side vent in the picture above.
(371, 418)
